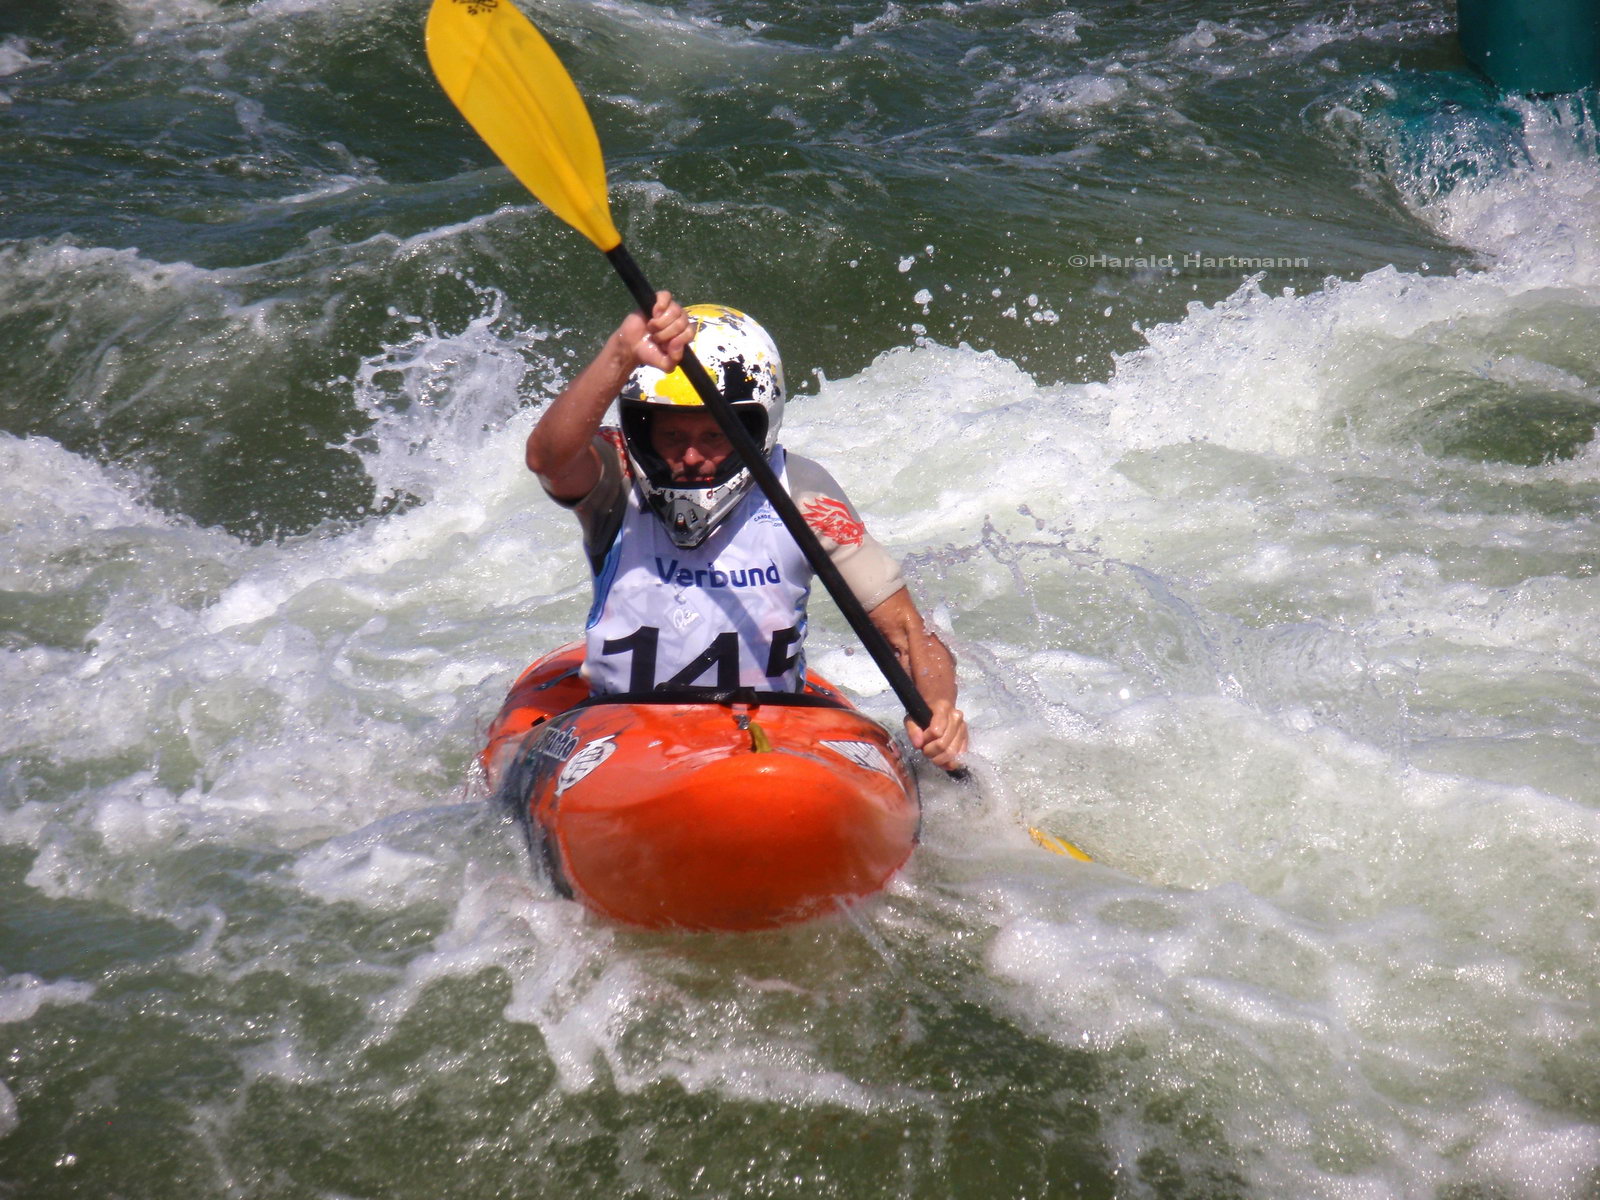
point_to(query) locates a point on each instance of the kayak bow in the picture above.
(702, 810)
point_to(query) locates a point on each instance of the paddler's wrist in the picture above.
(621, 353)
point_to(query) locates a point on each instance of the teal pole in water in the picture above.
(1543, 47)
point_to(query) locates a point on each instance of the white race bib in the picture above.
(728, 613)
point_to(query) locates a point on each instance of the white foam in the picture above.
(285, 1058)
(1530, 1155)
(145, 17)
(301, 695)
(22, 996)
(1060, 27)
(1246, 45)
(16, 54)
(1073, 96)
(148, 15)
(392, 863)
(1316, 1043)
(1538, 218)
(54, 499)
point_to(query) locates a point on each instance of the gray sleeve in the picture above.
(599, 512)
(872, 573)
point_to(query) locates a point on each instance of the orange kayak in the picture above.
(702, 810)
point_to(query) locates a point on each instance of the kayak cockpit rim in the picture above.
(724, 697)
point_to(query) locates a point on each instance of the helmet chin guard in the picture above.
(687, 518)
(743, 360)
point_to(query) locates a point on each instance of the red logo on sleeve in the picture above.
(614, 436)
(831, 518)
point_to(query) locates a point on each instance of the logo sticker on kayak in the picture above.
(863, 754)
(556, 742)
(585, 761)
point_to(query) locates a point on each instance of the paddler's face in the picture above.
(691, 443)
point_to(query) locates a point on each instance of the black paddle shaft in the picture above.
(782, 503)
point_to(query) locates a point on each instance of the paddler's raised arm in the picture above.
(560, 450)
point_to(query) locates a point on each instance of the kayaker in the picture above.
(696, 580)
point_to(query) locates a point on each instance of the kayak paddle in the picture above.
(512, 89)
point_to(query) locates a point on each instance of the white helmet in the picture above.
(743, 360)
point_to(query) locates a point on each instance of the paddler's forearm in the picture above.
(559, 450)
(920, 650)
(932, 667)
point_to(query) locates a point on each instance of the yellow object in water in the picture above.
(1056, 846)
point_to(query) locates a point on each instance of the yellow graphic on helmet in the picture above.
(718, 330)
(676, 388)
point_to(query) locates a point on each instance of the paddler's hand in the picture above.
(945, 739)
(659, 341)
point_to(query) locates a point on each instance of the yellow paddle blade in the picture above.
(1056, 846)
(510, 86)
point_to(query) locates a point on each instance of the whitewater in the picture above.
(1273, 592)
